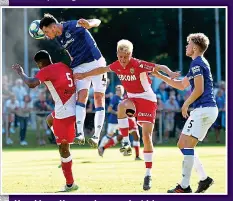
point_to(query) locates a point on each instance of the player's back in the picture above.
(79, 43)
(59, 80)
(200, 66)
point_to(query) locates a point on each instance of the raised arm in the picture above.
(178, 84)
(30, 81)
(97, 71)
(87, 24)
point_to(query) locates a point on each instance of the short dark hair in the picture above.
(42, 55)
(47, 20)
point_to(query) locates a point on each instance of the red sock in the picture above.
(67, 170)
(124, 132)
(110, 143)
(148, 158)
(136, 150)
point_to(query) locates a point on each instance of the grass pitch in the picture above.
(36, 170)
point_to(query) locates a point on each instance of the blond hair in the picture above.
(200, 39)
(125, 46)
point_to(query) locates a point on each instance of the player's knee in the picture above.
(99, 96)
(82, 96)
(119, 138)
(64, 148)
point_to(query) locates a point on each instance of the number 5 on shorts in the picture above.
(190, 124)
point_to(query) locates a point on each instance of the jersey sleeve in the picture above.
(145, 66)
(42, 75)
(196, 69)
(113, 66)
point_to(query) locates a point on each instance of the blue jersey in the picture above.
(200, 66)
(79, 43)
(112, 118)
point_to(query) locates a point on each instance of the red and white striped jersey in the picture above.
(58, 78)
(135, 79)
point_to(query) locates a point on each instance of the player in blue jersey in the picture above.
(85, 56)
(201, 118)
(109, 140)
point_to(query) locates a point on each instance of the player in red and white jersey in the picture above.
(58, 79)
(141, 102)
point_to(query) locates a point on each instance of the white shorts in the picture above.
(112, 128)
(199, 122)
(99, 82)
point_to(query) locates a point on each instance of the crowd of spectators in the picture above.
(25, 108)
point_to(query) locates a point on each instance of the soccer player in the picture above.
(141, 102)
(76, 39)
(58, 78)
(201, 118)
(109, 140)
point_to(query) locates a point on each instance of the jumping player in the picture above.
(85, 56)
(201, 118)
(141, 102)
(58, 79)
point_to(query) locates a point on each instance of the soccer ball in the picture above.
(35, 31)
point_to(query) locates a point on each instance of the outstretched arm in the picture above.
(167, 70)
(178, 84)
(87, 24)
(30, 81)
(97, 71)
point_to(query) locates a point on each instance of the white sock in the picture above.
(199, 167)
(126, 139)
(80, 117)
(148, 172)
(148, 157)
(99, 120)
(104, 141)
(187, 166)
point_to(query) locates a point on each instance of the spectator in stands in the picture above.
(23, 113)
(220, 100)
(162, 92)
(42, 108)
(20, 91)
(171, 106)
(12, 105)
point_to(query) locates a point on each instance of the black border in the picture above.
(92, 3)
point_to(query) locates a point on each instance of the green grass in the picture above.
(34, 171)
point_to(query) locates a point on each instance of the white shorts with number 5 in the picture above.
(99, 82)
(199, 122)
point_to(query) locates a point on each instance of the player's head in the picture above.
(48, 24)
(119, 90)
(197, 44)
(42, 59)
(124, 52)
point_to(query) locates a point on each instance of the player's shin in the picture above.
(112, 142)
(124, 128)
(80, 116)
(99, 120)
(199, 167)
(66, 162)
(187, 166)
(136, 145)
